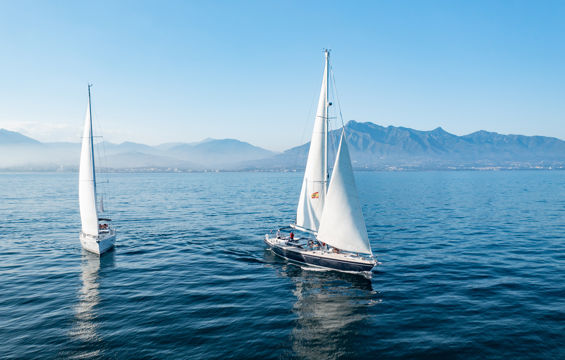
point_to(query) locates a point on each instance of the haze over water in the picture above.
(472, 267)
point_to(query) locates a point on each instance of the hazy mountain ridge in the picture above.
(8, 137)
(372, 147)
(21, 153)
(376, 147)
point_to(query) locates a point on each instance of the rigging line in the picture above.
(105, 168)
(100, 151)
(337, 98)
(331, 138)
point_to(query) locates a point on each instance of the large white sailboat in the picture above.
(330, 216)
(97, 234)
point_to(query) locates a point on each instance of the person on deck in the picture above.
(291, 236)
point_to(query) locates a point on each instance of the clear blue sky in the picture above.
(181, 71)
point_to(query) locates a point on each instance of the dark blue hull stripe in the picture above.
(321, 261)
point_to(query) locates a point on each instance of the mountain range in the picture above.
(372, 147)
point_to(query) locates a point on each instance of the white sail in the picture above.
(87, 180)
(314, 185)
(342, 224)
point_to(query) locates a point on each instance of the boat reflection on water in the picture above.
(332, 309)
(85, 326)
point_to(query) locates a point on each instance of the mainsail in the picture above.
(314, 185)
(342, 225)
(86, 177)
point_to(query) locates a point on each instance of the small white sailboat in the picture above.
(330, 216)
(97, 234)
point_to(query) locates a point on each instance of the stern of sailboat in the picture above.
(104, 225)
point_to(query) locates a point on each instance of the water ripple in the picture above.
(472, 267)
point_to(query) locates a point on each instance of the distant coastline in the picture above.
(189, 171)
(373, 148)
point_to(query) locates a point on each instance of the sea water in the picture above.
(473, 266)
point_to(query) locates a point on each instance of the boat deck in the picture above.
(319, 257)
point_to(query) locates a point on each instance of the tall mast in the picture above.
(327, 119)
(87, 181)
(315, 184)
(91, 140)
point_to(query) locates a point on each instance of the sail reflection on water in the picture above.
(331, 309)
(85, 323)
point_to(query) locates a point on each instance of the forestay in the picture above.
(87, 180)
(342, 224)
(314, 185)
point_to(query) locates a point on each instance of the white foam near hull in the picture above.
(98, 244)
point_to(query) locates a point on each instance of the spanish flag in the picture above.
(315, 195)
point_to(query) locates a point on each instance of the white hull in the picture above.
(98, 244)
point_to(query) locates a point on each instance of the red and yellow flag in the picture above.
(315, 195)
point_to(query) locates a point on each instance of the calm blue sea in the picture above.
(473, 267)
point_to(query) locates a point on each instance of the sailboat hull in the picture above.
(98, 244)
(320, 259)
